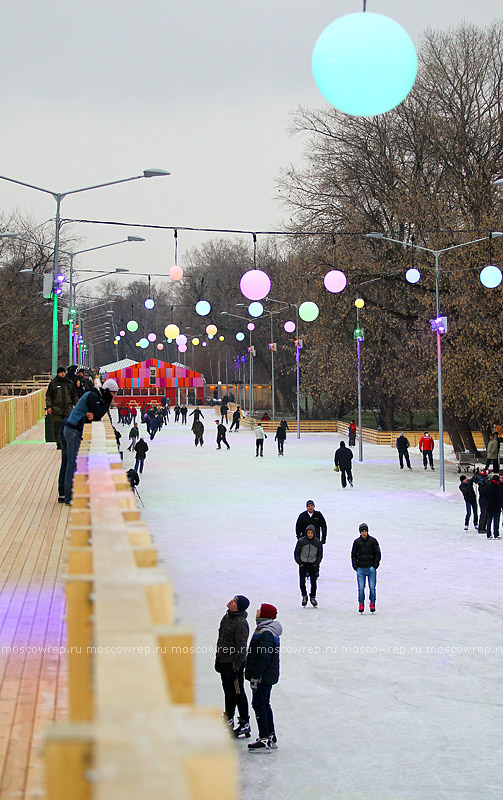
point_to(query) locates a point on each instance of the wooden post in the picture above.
(79, 612)
(68, 754)
(177, 654)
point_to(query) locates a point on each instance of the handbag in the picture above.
(336, 468)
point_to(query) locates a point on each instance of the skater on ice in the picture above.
(468, 492)
(230, 663)
(262, 670)
(426, 445)
(311, 517)
(280, 439)
(402, 445)
(260, 435)
(308, 554)
(365, 558)
(342, 460)
(221, 431)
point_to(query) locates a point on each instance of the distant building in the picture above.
(154, 377)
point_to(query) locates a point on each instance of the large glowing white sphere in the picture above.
(175, 273)
(203, 308)
(255, 309)
(240, 336)
(171, 331)
(412, 275)
(255, 284)
(490, 276)
(289, 326)
(335, 281)
(308, 311)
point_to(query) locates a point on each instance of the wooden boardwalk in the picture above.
(33, 682)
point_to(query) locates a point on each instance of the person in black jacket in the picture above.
(221, 431)
(60, 398)
(262, 670)
(141, 449)
(468, 492)
(308, 554)
(230, 663)
(236, 419)
(198, 430)
(280, 439)
(490, 492)
(311, 517)
(365, 558)
(402, 445)
(481, 479)
(342, 459)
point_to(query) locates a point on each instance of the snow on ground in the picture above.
(400, 705)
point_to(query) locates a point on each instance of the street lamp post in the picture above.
(250, 352)
(358, 334)
(438, 324)
(59, 197)
(118, 270)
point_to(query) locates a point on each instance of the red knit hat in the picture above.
(268, 612)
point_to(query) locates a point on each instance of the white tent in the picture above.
(125, 362)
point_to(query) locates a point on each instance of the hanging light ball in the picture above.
(211, 336)
(122, 333)
(359, 302)
(255, 309)
(205, 344)
(171, 331)
(181, 339)
(289, 326)
(195, 341)
(490, 276)
(175, 273)
(151, 337)
(149, 303)
(221, 338)
(182, 348)
(240, 336)
(203, 308)
(137, 344)
(251, 326)
(211, 329)
(116, 341)
(412, 275)
(132, 325)
(308, 311)
(169, 341)
(160, 346)
(144, 342)
(335, 281)
(364, 64)
(255, 284)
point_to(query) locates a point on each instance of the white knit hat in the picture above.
(111, 385)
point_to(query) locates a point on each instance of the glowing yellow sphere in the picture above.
(359, 303)
(171, 331)
(211, 329)
(195, 340)
(221, 338)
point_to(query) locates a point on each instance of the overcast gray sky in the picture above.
(99, 90)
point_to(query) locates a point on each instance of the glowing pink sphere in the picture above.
(175, 273)
(255, 284)
(182, 348)
(151, 337)
(122, 333)
(289, 326)
(251, 326)
(160, 346)
(335, 281)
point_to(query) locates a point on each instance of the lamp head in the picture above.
(121, 269)
(8, 235)
(155, 173)
(498, 182)
(135, 239)
(375, 235)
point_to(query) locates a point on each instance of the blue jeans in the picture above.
(362, 573)
(73, 440)
(469, 506)
(138, 464)
(494, 518)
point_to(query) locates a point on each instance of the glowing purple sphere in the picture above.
(289, 326)
(151, 337)
(251, 326)
(255, 284)
(335, 281)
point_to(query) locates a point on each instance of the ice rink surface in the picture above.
(400, 705)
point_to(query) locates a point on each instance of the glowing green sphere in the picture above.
(364, 64)
(132, 325)
(308, 311)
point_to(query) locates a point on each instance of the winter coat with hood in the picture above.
(141, 448)
(259, 432)
(96, 401)
(402, 444)
(61, 396)
(308, 551)
(467, 490)
(232, 639)
(262, 661)
(343, 457)
(365, 552)
(490, 492)
(197, 427)
(493, 447)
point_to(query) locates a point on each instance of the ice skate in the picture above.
(243, 729)
(372, 607)
(304, 600)
(273, 742)
(314, 601)
(361, 608)
(260, 746)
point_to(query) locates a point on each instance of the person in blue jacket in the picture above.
(262, 670)
(92, 406)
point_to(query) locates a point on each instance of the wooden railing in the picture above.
(18, 414)
(134, 731)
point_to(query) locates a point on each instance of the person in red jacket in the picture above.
(426, 445)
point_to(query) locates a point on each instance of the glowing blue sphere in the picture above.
(203, 308)
(240, 336)
(255, 309)
(144, 343)
(149, 303)
(364, 64)
(412, 275)
(490, 277)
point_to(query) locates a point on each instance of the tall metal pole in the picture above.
(272, 372)
(297, 359)
(439, 373)
(55, 329)
(360, 430)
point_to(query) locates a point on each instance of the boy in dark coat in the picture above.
(490, 492)
(402, 445)
(60, 398)
(308, 554)
(342, 459)
(221, 431)
(280, 438)
(365, 558)
(262, 670)
(468, 492)
(198, 430)
(311, 517)
(140, 448)
(230, 663)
